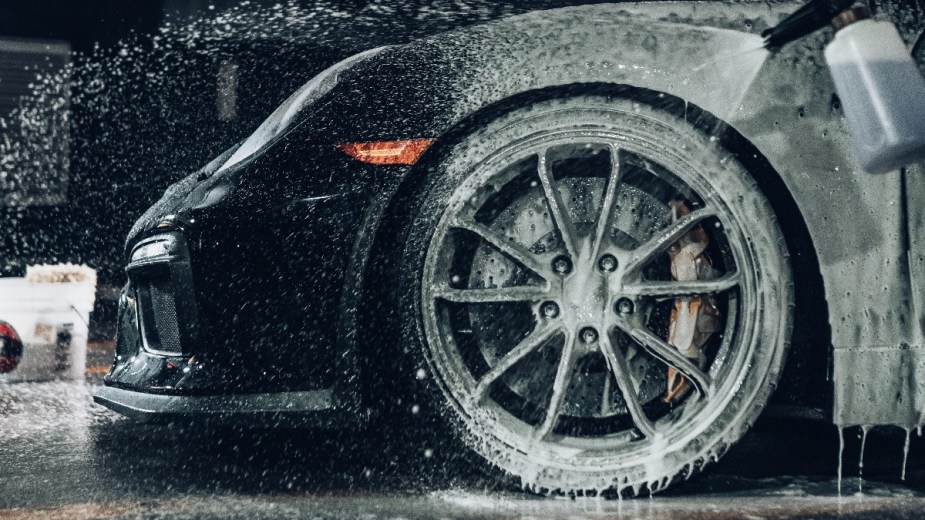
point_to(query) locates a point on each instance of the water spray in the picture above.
(881, 89)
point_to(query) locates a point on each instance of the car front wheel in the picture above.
(601, 294)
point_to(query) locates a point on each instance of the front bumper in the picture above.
(157, 376)
(247, 295)
(190, 337)
(160, 373)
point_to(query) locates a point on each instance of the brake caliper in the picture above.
(694, 318)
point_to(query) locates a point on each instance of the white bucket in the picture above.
(50, 310)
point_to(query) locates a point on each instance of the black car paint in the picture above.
(276, 245)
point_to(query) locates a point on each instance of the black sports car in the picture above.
(584, 238)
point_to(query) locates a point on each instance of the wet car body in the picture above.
(264, 306)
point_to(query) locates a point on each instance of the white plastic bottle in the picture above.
(881, 89)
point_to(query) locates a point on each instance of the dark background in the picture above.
(145, 106)
(147, 88)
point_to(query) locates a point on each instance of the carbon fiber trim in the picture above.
(307, 408)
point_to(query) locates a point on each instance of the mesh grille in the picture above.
(165, 315)
(163, 282)
(159, 315)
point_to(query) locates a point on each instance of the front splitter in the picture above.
(312, 409)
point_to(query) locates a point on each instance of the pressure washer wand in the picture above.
(881, 89)
(806, 20)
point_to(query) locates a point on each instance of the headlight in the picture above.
(153, 249)
(283, 116)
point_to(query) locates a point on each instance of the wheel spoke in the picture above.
(559, 386)
(621, 371)
(667, 289)
(519, 293)
(508, 247)
(607, 204)
(670, 356)
(556, 207)
(644, 253)
(536, 339)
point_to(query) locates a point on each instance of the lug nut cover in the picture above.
(562, 265)
(624, 306)
(607, 263)
(588, 335)
(550, 309)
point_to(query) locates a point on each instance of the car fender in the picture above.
(786, 107)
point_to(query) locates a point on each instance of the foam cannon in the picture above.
(881, 89)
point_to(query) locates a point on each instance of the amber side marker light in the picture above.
(387, 152)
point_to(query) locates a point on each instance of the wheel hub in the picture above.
(584, 289)
(585, 296)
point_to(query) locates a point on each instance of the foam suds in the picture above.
(841, 449)
(864, 430)
(60, 273)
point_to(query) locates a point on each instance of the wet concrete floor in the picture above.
(61, 456)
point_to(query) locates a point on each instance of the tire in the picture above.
(530, 357)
